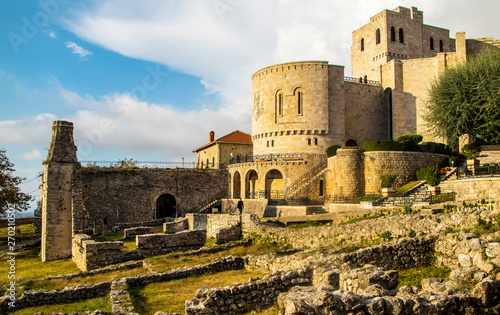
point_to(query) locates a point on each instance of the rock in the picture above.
(488, 291)
(464, 260)
(493, 250)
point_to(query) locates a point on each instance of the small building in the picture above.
(217, 154)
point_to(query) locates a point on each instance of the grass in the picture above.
(59, 284)
(170, 296)
(414, 276)
(29, 266)
(22, 231)
(307, 224)
(167, 262)
(102, 303)
(406, 187)
(363, 218)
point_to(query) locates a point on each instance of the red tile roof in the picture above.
(233, 137)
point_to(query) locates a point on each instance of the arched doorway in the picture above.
(166, 207)
(236, 185)
(351, 143)
(252, 184)
(274, 185)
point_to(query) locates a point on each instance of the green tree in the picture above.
(11, 197)
(466, 99)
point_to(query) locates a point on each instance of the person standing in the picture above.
(240, 205)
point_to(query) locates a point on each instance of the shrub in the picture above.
(387, 180)
(430, 174)
(412, 234)
(435, 147)
(471, 150)
(387, 235)
(385, 145)
(332, 150)
(410, 137)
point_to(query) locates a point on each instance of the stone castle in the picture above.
(298, 110)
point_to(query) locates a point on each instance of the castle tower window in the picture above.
(432, 43)
(213, 161)
(315, 141)
(441, 48)
(309, 141)
(299, 102)
(268, 143)
(393, 34)
(401, 36)
(272, 143)
(377, 36)
(362, 44)
(279, 103)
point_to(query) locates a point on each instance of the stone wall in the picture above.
(354, 172)
(176, 226)
(89, 255)
(215, 222)
(475, 188)
(138, 231)
(228, 234)
(257, 294)
(130, 195)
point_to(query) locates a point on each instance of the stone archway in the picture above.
(252, 185)
(274, 184)
(351, 143)
(236, 185)
(166, 207)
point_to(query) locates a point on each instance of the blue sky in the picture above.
(163, 73)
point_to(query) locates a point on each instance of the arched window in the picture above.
(309, 141)
(393, 34)
(401, 36)
(441, 47)
(213, 161)
(365, 79)
(432, 43)
(208, 163)
(315, 141)
(377, 36)
(268, 143)
(299, 103)
(279, 103)
(272, 143)
(362, 44)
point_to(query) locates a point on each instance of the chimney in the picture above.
(212, 136)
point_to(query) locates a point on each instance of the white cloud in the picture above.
(52, 35)
(33, 155)
(82, 52)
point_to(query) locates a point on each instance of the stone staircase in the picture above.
(306, 179)
(419, 193)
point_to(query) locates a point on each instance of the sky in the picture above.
(149, 79)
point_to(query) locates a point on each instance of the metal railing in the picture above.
(478, 171)
(295, 186)
(362, 81)
(141, 164)
(274, 157)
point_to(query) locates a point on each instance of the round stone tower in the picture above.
(293, 108)
(350, 173)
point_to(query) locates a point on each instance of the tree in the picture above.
(11, 197)
(466, 99)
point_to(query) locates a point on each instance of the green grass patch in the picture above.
(24, 231)
(30, 266)
(414, 276)
(170, 261)
(101, 303)
(170, 296)
(306, 224)
(401, 190)
(59, 284)
(363, 218)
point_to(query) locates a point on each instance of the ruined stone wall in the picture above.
(129, 195)
(89, 255)
(176, 226)
(239, 298)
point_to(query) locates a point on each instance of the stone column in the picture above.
(59, 167)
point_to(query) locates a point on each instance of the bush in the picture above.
(412, 234)
(434, 147)
(387, 180)
(410, 137)
(471, 150)
(332, 150)
(385, 145)
(430, 174)
(387, 235)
